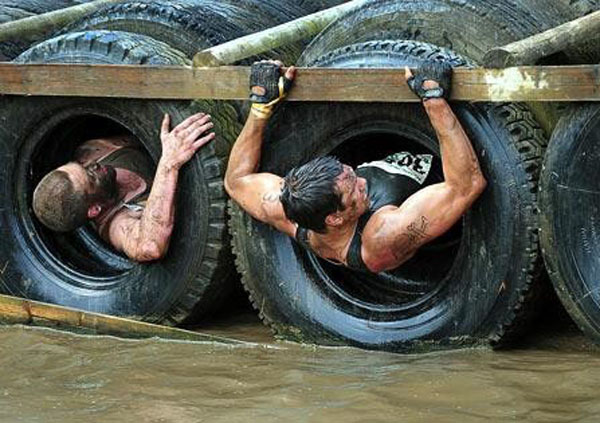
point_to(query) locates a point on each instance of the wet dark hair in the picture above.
(310, 194)
(57, 204)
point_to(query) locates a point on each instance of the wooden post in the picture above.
(529, 50)
(259, 42)
(15, 310)
(35, 26)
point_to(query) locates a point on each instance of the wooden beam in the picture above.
(554, 83)
(15, 310)
(269, 39)
(529, 50)
(33, 27)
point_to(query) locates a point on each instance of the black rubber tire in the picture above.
(580, 8)
(78, 269)
(313, 6)
(570, 211)
(11, 10)
(192, 25)
(469, 28)
(482, 293)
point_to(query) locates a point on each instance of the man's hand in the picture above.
(180, 144)
(431, 80)
(268, 86)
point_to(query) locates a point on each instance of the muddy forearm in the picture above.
(157, 220)
(245, 156)
(459, 161)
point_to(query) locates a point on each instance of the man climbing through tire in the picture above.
(337, 213)
(112, 183)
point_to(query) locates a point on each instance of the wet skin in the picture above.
(143, 236)
(393, 234)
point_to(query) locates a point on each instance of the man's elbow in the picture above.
(471, 188)
(232, 188)
(478, 185)
(228, 187)
(148, 251)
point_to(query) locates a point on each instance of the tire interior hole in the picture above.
(83, 250)
(421, 275)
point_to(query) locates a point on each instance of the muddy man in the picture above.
(376, 217)
(112, 184)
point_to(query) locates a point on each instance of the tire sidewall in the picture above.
(486, 275)
(146, 291)
(566, 237)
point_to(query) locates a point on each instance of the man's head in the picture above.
(322, 193)
(71, 194)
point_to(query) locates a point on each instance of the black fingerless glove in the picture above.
(440, 72)
(267, 88)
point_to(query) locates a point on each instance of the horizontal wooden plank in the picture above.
(553, 83)
(21, 311)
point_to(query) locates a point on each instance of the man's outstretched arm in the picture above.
(257, 193)
(435, 209)
(146, 236)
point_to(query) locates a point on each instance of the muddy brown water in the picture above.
(51, 376)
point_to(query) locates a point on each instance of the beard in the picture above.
(106, 185)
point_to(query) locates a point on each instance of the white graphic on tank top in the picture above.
(415, 166)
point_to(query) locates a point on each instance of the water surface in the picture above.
(50, 376)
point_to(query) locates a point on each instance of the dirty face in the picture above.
(355, 199)
(96, 180)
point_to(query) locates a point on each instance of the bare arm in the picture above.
(146, 236)
(256, 193)
(433, 210)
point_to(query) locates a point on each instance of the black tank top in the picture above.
(389, 182)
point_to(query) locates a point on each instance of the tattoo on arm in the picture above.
(416, 231)
(410, 238)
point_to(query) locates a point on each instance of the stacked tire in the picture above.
(39, 134)
(12, 10)
(484, 286)
(570, 204)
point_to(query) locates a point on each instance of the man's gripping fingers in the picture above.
(430, 70)
(268, 86)
(197, 130)
(190, 121)
(166, 124)
(204, 140)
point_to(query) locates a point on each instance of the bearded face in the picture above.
(103, 182)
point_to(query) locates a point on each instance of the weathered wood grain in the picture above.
(552, 83)
(31, 28)
(271, 38)
(529, 50)
(15, 310)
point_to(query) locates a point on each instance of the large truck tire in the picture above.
(78, 269)
(193, 25)
(475, 289)
(469, 28)
(570, 215)
(12, 10)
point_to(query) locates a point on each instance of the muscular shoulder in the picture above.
(274, 213)
(384, 245)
